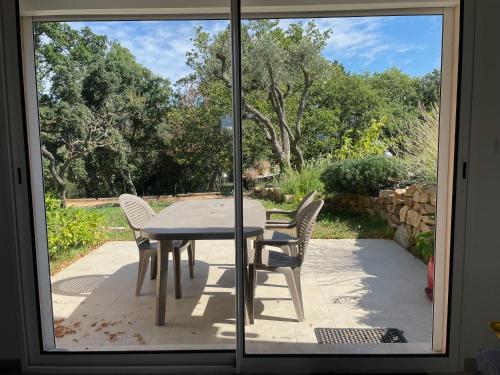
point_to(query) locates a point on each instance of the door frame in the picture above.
(28, 217)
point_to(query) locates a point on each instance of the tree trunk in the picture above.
(127, 181)
(61, 189)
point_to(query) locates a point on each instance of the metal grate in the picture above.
(359, 336)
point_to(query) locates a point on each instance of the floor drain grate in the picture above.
(359, 336)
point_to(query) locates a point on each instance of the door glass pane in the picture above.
(133, 107)
(347, 107)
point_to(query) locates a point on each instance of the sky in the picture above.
(361, 44)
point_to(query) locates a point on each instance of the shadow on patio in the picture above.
(346, 284)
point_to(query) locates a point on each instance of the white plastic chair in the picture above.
(137, 212)
(288, 264)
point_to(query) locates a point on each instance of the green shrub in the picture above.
(363, 176)
(417, 146)
(71, 229)
(425, 245)
(299, 183)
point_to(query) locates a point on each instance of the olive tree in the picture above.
(279, 68)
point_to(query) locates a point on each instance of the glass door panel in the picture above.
(341, 115)
(138, 108)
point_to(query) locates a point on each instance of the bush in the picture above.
(363, 176)
(425, 245)
(417, 145)
(71, 229)
(299, 183)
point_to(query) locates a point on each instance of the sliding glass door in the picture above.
(132, 149)
(345, 126)
(240, 180)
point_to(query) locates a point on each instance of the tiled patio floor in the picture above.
(346, 284)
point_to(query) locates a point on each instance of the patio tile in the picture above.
(346, 283)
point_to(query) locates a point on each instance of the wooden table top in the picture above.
(204, 219)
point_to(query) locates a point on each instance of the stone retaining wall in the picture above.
(273, 194)
(410, 211)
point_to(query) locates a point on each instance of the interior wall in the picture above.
(481, 302)
(481, 282)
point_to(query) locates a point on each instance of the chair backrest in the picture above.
(308, 198)
(305, 226)
(137, 212)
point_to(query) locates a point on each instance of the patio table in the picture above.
(210, 219)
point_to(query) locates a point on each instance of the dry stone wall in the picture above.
(410, 211)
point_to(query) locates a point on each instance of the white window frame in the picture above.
(32, 10)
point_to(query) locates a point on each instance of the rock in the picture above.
(386, 193)
(432, 195)
(424, 227)
(398, 198)
(413, 218)
(409, 202)
(403, 236)
(403, 212)
(416, 206)
(428, 220)
(400, 191)
(428, 208)
(410, 190)
(395, 221)
(420, 196)
(288, 198)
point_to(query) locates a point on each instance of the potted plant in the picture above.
(425, 248)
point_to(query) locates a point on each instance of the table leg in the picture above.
(177, 273)
(249, 282)
(164, 248)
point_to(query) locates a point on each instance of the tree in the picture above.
(97, 106)
(279, 68)
(69, 130)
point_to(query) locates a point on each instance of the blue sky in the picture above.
(362, 44)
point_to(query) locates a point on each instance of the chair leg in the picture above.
(191, 261)
(193, 250)
(292, 287)
(252, 276)
(298, 283)
(153, 267)
(177, 273)
(141, 273)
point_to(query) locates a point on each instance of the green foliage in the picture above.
(368, 142)
(417, 146)
(342, 224)
(71, 229)
(425, 245)
(299, 183)
(113, 126)
(363, 176)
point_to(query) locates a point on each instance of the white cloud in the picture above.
(363, 38)
(160, 46)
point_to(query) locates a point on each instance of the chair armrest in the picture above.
(278, 211)
(261, 255)
(270, 242)
(280, 225)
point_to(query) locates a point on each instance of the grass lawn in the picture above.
(341, 225)
(115, 219)
(335, 225)
(330, 224)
